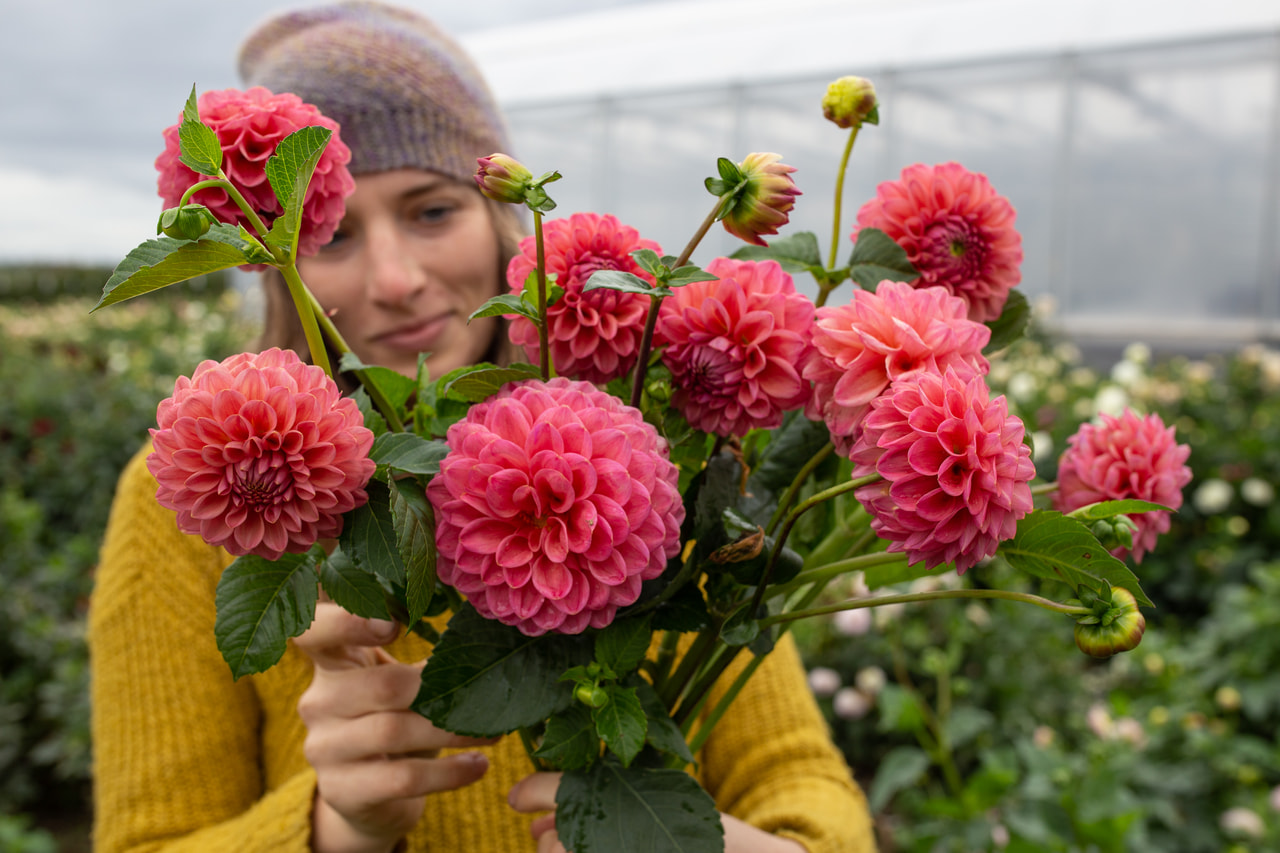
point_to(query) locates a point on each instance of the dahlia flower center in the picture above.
(705, 372)
(956, 247)
(262, 478)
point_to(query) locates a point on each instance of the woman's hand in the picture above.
(375, 759)
(537, 793)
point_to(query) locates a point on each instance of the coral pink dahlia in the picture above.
(735, 345)
(956, 230)
(956, 471)
(249, 125)
(555, 502)
(594, 336)
(260, 454)
(1121, 458)
(859, 348)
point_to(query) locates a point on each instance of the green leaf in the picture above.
(416, 539)
(740, 628)
(352, 588)
(505, 303)
(623, 281)
(729, 171)
(649, 261)
(795, 253)
(890, 574)
(683, 612)
(876, 258)
(570, 741)
(664, 733)
(621, 722)
(164, 261)
(901, 768)
(688, 274)
(261, 604)
(610, 808)
(1109, 509)
(965, 723)
(289, 171)
(485, 678)
(1011, 324)
(395, 386)
(479, 383)
(1050, 545)
(198, 146)
(408, 453)
(789, 450)
(623, 644)
(369, 536)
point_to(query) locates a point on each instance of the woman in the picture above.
(321, 752)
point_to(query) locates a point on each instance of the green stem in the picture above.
(936, 595)
(1044, 488)
(697, 694)
(830, 571)
(839, 201)
(339, 343)
(544, 347)
(222, 182)
(836, 544)
(797, 484)
(702, 646)
(302, 303)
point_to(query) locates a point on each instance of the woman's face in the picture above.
(414, 256)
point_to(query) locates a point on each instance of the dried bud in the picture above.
(1113, 626)
(764, 204)
(503, 178)
(189, 222)
(850, 101)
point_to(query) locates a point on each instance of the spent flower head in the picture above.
(850, 101)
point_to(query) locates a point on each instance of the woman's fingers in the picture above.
(535, 792)
(376, 782)
(341, 640)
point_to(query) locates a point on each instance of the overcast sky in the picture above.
(87, 87)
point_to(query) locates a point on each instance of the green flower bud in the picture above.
(850, 101)
(189, 222)
(592, 695)
(1112, 626)
(503, 178)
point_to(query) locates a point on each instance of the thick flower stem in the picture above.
(798, 483)
(825, 288)
(936, 595)
(379, 400)
(671, 689)
(544, 344)
(307, 315)
(836, 544)
(1044, 488)
(826, 573)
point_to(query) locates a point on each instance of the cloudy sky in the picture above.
(87, 86)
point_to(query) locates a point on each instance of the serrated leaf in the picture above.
(164, 261)
(663, 733)
(789, 450)
(1108, 509)
(570, 741)
(373, 419)
(1011, 324)
(1049, 545)
(416, 538)
(796, 252)
(649, 261)
(610, 808)
(408, 453)
(503, 304)
(485, 678)
(289, 172)
(876, 258)
(622, 281)
(369, 536)
(352, 588)
(683, 612)
(482, 382)
(198, 146)
(622, 645)
(261, 604)
(688, 274)
(621, 723)
(901, 768)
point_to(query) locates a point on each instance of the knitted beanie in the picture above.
(404, 94)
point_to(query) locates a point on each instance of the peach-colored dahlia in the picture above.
(594, 336)
(1121, 458)
(766, 202)
(735, 346)
(260, 454)
(956, 230)
(956, 471)
(859, 348)
(250, 124)
(555, 502)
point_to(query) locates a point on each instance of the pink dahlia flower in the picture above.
(765, 204)
(735, 345)
(859, 348)
(594, 336)
(956, 471)
(956, 230)
(555, 502)
(260, 454)
(249, 126)
(1122, 458)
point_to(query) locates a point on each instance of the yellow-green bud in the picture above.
(1114, 626)
(185, 223)
(851, 101)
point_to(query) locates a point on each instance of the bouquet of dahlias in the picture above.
(691, 450)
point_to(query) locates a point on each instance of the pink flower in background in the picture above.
(956, 471)
(766, 202)
(249, 126)
(859, 348)
(555, 502)
(956, 230)
(1121, 458)
(260, 454)
(734, 347)
(594, 336)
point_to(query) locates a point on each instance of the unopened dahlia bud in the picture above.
(1114, 626)
(850, 101)
(503, 178)
(764, 204)
(189, 222)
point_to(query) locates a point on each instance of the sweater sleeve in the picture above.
(771, 762)
(177, 762)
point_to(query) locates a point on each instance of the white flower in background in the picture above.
(1044, 307)
(849, 704)
(1099, 721)
(1130, 731)
(1228, 698)
(999, 373)
(1022, 386)
(925, 584)
(870, 680)
(1111, 400)
(1240, 821)
(1127, 373)
(885, 614)
(1200, 372)
(978, 615)
(1138, 353)
(852, 623)
(1213, 496)
(1000, 835)
(1082, 377)
(1043, 737)
(824, 681)
(1257, 492)
(1041, 446)
(1067, 353)
(1274, 799)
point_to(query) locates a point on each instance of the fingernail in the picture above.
(511, 795)
(382, 628)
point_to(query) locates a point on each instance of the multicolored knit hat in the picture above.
(404, 94)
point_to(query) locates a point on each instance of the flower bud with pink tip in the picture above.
(764, 205)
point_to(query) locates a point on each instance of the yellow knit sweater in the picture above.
(187, 759)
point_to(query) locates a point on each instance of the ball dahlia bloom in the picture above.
(555, 502)
(766, 202)
(735, 345)
(1125, 457)
(260, 454)
(956, 471)
(250, 124)
(594, 336)
(859, 348)
(956, 230)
